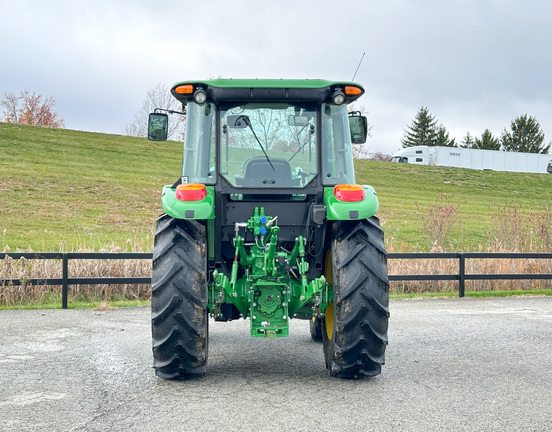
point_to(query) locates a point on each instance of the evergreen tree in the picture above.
(525, 136)
(468, 141)
(422, 131)
(442, 138)
(487, 141)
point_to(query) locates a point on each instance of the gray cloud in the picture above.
(474, 64)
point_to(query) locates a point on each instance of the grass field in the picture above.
(69, 190)
(484, 200)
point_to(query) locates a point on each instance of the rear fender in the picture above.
(347, 210)
(202, 209)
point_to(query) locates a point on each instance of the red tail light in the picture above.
(191, 192)
(349, 192)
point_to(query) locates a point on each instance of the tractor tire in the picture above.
(354, 328)
(179, 315)
(316, 329)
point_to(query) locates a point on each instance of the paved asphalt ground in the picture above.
(452, 365)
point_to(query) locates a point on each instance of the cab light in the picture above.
(184, 89)
(200, 96)
(191, 192)
(338, 97)
(349, 192)
(352, 90)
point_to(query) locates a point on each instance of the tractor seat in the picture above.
(257, 172)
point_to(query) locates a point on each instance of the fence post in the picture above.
(461, 275)
(65, 277)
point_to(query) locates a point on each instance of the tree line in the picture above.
(525, 135)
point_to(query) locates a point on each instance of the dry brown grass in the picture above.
(24, 270)
(103, 306)
(473, 266)
(514, 231)
(11, 295)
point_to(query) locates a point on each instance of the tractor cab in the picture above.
(251, 134)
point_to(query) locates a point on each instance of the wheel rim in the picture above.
(329, 318)
(329, 311)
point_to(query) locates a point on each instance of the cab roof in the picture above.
(266, 90)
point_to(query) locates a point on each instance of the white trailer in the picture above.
(475, 159)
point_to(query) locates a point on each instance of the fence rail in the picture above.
(461, 276)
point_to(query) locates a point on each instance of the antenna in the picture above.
(362, 58)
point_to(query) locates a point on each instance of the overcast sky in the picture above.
(475, 64)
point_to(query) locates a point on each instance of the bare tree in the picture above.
(156, 97)
(10, 103)
(31, 109)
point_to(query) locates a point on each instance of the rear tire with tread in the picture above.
(179, 315)
(355, 344)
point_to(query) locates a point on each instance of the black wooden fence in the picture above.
(65, 280)
(461, 276)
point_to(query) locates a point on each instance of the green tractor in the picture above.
(266, 223)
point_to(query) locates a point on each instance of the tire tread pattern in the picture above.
(361, 300)
(179, 317)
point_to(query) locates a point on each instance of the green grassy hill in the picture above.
(71, 190)
(486, 200)
(66, 190)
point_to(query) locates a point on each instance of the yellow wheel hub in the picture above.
(329, 317)
(329, 311)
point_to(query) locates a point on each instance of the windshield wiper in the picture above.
(248, 123)
(299, 142)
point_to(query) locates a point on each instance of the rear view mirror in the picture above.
(158, 127)
(359, 128)
(238, 121)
